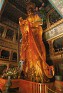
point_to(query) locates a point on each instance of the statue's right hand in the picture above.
(20, 19)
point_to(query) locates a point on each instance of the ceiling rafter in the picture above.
(19, 4)
(17, 8)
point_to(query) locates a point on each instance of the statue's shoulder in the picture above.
(37, 17)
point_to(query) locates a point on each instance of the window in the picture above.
(5, 54)
(58, 44)
(14, 56)
(9, 34)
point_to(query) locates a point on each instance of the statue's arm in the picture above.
(37, 21)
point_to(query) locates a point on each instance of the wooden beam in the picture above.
(17, 9)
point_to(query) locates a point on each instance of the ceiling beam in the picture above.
(17, 9)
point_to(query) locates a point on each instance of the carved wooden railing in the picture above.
(33, 87)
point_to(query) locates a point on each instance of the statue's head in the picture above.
(30, 8)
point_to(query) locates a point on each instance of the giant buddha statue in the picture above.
(33, 51)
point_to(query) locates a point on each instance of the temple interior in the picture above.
(31, 47)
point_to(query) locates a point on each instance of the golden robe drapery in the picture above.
(32, 49)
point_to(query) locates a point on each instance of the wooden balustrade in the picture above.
(31, 87)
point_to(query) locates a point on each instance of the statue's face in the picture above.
(30, 11)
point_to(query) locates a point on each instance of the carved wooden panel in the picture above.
(54, 32)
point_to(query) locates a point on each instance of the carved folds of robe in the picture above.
(32, 49)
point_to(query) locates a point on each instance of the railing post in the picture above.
(45, 88)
